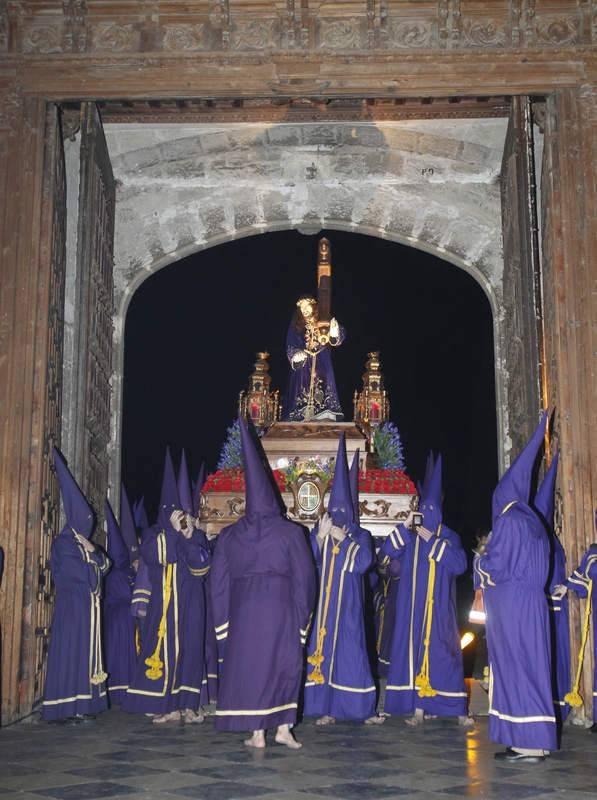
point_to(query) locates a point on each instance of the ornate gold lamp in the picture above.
(371, 404)
(259, 403)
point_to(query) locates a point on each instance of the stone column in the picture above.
(569, 197)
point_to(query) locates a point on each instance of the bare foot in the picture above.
(173, 716)
(417, 719)
(326, 720)
(191, 717)
(466, 722)
(257, 740)
(376, 719)
(284, 736)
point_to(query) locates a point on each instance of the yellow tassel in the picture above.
(423, 681)
(99, 677)
(137, 640)
(154, 662)
(574, 698)
(317, 658)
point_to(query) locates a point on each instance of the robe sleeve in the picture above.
(303, 577)
(194, 554)
(295, 342)
(364, 538)
(160, 548)
(395, 544)
(141, 591)
(71, 564)
(448, 555)
(315, 549)
(357, 558)
(498, 562)
(219, 586)
(585, 572)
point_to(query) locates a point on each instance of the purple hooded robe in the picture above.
(262, 587)
(75, 679)
(513, 573)
(175, 566)
(343, 687)
(446, 673)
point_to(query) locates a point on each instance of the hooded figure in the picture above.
(513, 572)
(128, 528)
(167, 679)
(558, 606)
(425, 674)
(140, 515)
(75, 680)
(339, 681)
(262, 588)
(119, 626)
(583, 582)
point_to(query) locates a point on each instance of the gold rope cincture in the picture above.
(154, 662)
(422, 681)
(317, 658)
(99, 676)
(137, 640)
(574, 698)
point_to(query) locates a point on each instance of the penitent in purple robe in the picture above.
(343, 686)
(389, 581)
(209, 689)
(446, 672)
(326, 402)
(119, 625)
(176, 567)
(75, 681)
(558, 607)
(513, 573)
(583, 582)
(262, 587)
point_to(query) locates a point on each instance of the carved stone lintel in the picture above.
(74, 35)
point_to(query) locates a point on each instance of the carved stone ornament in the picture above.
(483, 33)
(254, 34)
(112, 37)
(43, 39)
(237, 506)
(182, 37)
(410, 33)
(557, 30)
(341, 34)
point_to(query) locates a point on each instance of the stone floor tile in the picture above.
(88, 791)
(223, 790)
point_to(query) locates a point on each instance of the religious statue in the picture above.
(312, 393)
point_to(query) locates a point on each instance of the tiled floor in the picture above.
(123, 756)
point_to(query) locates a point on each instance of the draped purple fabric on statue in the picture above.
(169, 671)
(558, 607)
(339, 680)
(262, 589)
(387, 614)
(75, 679)
(325, 398)
(583, 581)
(418, 585)
(119, 625)
(513, 573)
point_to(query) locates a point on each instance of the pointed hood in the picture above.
(354, 485)
(515, 483)
(169, 500)
(197, 487)
(127, 525)
(340, 504)
(140, 515)
(545, 497)
(262, 496)
(79, 514)
(430, 504)
(185, 492)
(117, 550)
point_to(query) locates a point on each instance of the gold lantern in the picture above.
(259, 403)
(371, 404)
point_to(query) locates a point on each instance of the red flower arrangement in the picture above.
(372, 481)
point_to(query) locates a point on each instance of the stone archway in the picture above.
(430, 184)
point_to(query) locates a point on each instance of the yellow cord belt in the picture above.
(154, 662)
(317, 658)
(99, 676)
(422, 681)
(574, 698)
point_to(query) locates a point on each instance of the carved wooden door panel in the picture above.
(94, 309)
(522, 295)
(53, 249)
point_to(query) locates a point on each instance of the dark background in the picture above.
(193, 330)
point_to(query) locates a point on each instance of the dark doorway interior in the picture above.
(194, 328)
